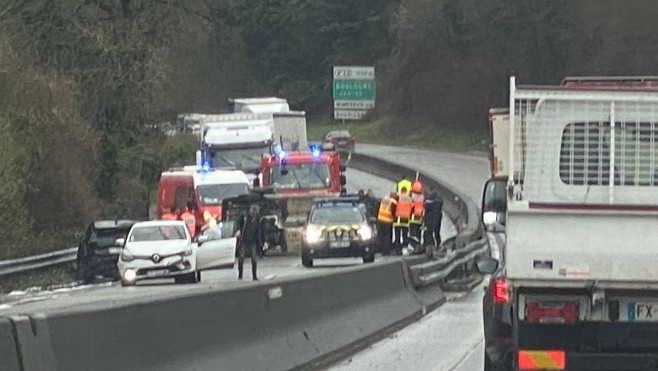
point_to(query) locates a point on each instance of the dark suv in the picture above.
(338, 227)
(97, 252)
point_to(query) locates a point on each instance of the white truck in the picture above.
(579, 285)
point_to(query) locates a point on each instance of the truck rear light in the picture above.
(551, 312)
(541, 360)
(501, 290)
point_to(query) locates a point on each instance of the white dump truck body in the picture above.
(583, 212)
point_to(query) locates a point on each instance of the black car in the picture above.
(339, 140)
(98, 253)
(338, 227)
(497, 308)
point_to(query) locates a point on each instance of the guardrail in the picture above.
(21, 265)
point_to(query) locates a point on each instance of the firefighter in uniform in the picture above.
(172, 214)
(403, 210)
(190, 220)
(417, 216)
(385, 222)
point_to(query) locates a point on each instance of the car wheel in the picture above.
(369, 258)
(307, 261)
(188, 278)
(503, 364)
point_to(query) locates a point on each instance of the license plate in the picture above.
(339, 244)
(114, 250)
(643, 311)
(159, 273)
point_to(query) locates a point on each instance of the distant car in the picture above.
(338, 227)
(339, 140)
(164, 249)
(98, 252)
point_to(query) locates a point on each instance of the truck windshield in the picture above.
(311, 175)
(213, 194)
(245, 159)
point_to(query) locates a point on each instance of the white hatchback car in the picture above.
(163, 248)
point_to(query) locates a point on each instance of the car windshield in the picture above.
(337, 215)
(213, 194)
(107, 237)
(158, 233)
(245, 159)
(311, 175)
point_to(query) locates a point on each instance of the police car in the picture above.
(338, 227)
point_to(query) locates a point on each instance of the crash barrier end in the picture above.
(283, 325)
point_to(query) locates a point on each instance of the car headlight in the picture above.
(313, 234)
(365, 232)
(126, 257)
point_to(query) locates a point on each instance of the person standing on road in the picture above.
(416, 222)
(172, 214)
(190, 220)
(433, 219)
(403, 210)
(250, 233)
(385, 222)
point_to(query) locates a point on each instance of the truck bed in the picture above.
(582, 244)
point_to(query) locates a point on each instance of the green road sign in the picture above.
(354, 89)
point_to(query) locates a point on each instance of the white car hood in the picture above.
(148, 248)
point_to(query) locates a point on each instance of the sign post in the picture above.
(353, 92)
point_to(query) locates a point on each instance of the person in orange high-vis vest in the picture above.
(172, 214)
(385, 218)
(418, 214)
(403, 211)
(190, 220)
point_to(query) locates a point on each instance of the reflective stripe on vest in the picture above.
(384, 214)
(403, 208)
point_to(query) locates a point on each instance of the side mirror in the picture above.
(198, 158)
(79, 236)
(372, 219)
(203, 238)
(256, 183)
(489, 218)
(343, 180)
(487, 265)
(342, 168)
(121, 242)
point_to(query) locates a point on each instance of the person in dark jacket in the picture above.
(250, 233)
(433, 218)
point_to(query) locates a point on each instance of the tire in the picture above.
(504, 364)
(369, 259)
(188, 278)
(307, 261)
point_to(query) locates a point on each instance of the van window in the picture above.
(184, 194)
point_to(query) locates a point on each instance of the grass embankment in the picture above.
(410, 133)
(41, 279)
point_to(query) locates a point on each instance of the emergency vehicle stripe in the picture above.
(541, 360)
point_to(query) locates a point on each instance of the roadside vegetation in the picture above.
(86, 87)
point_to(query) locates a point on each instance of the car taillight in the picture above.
(501, 291)
(551, 312)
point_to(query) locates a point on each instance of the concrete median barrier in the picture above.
(8, 355)
(290, 324)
